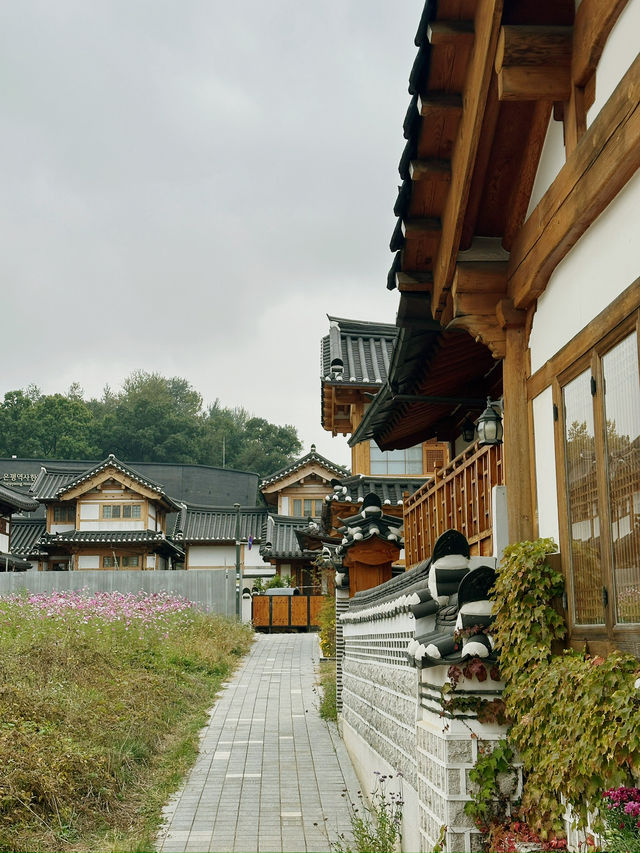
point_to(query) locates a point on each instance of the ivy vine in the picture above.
(575, 718)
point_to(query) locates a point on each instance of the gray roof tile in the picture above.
(279, 538)
(356, 351)
(25, 535)
(218, 524)
(16, 501)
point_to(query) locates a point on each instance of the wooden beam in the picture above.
(516, 437)
(421, 227)
(486, 26)
(414, 283)
(435, 104)
(534, 63)
(450, 32)
(485, 276)
(604, 160)
(423, 170)
(534, 47)
(594, 21)
(528, 83)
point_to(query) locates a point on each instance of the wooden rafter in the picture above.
(486, 27)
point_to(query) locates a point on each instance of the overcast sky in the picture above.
(190, 187)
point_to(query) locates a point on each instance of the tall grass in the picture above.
(101, 700)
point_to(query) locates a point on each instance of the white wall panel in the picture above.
(600, 266)
(88, 561)
(620, 50)
(545, 460)
(90, 511)
(212, 556)
(551, 161)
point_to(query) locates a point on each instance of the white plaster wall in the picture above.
(545, 461)
(620, 50)
(121, 524)
(90, 511)
(551, 161)
(252, 557)
(212, 556)
(600, 266)
(60, 528)
(88, 561)
(366, 762)
(4, 542)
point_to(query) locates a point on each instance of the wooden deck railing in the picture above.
(459, 496)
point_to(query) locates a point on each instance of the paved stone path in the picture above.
(269, 770)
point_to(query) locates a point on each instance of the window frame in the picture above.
(610, 634)
(120, 507)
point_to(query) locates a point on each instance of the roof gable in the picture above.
(111, 468)
(313, 462)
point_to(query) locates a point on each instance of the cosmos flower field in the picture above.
(101, 701)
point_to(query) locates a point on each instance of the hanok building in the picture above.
(299, 489)
(12, 502)
(107, 517)
(517, 271)
(209, 535)
(356, 357)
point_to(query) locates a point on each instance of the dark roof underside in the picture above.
(447, 366)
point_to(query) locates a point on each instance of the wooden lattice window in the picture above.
(600, 403)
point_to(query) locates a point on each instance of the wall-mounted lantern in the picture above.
(489, 424)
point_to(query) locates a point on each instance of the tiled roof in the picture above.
(53, 483)
(371, 522)
(218, 524)
(357, 352)
(354, 489)
(49, 482)
(279, 538)
(312, 457)
(15, 500)
(14, 564)
(25, 534)
(109, 537)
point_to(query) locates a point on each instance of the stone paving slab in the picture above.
(270, 774)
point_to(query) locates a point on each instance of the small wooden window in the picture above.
(64, 513)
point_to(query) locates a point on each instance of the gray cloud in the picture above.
(190, 187)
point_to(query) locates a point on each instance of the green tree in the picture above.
(154, 419)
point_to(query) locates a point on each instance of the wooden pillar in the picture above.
(517, 461)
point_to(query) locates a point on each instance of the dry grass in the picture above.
(99, 721)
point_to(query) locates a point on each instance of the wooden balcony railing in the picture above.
(459, 497)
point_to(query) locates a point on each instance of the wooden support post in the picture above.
(516, 435)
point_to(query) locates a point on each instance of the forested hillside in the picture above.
(152, 419)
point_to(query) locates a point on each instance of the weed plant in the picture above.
(376, 822)
(327, 676)
(101, 701)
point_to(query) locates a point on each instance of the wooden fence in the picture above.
(286, 611)
(459, 497)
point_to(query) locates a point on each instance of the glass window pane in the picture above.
(136, 511)
(379, 467)
(297, 507)
(582, 499)
(106, 512)
(115, 512)
(622, 413)
(126, 511)
(307, 506)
